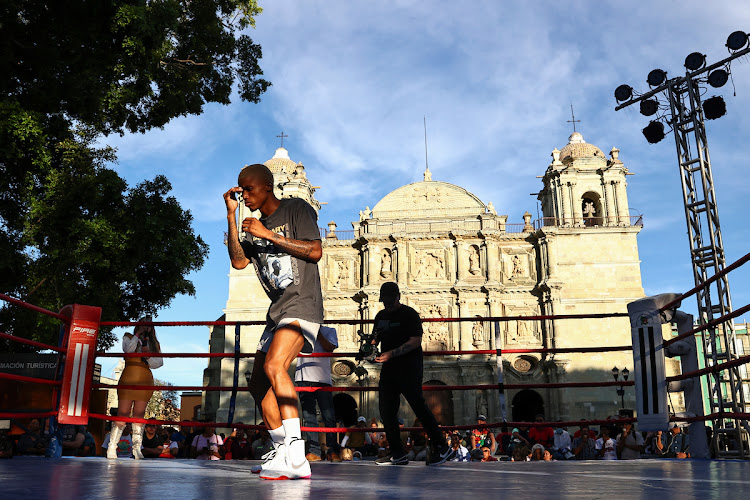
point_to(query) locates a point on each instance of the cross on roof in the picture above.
(573, 121)
(282, 138)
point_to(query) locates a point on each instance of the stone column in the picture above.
(622, 203)
(373, 261)
(565, 214)
(493, 261)
(576, 202)
(609, 203)
(465, 339)
(462, 259)
(401, 261)
(495, 310)
(551, 256)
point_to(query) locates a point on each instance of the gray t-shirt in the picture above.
(292, 284)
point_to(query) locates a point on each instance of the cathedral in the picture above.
(454, 256)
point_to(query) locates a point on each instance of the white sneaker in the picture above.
(268, 458)
(292, 465)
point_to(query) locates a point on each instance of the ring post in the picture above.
(500, 378)
(81, 334)
(648, 361)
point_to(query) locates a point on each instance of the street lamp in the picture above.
(621, 390)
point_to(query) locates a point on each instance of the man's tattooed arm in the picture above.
(308, 250)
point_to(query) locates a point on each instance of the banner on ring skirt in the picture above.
(81, 334)
(648, 360)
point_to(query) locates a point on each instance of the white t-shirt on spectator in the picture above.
(562, 441)
(200, 441)
(462, 454)
(610, 448)
(633, 439)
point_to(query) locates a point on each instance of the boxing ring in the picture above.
(26, 477)
(102, 479)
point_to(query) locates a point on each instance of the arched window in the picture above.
(441, 403)
(591, 208)
(527, 404)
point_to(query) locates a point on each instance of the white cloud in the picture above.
(352, 82)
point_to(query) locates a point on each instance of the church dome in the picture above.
(428, 199)
(281, 162)
(578, 149)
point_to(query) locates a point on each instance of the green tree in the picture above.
(164, 404)
(71, 229)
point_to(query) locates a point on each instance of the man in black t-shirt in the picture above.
(399, 331)
(72, 438)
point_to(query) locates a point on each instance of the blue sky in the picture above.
(352, 81)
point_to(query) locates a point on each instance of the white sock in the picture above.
(291, 429)
(277, 436)
(295, 447)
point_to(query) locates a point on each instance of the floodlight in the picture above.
(718, 78)
(649, 107)
(695, 61)
(656, 77)
(623, 93)
(714, 108)
(737, 41)
(654, 132)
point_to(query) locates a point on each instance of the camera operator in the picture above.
(400, 335)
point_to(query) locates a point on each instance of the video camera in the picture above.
(367, 350)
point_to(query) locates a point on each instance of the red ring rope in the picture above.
(710, 324)
(34, 343)
(26, 305)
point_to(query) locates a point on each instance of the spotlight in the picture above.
(649, 107)
(695, 61)
(654, 132)
(718, 78)
(714, 108)
(623, 93)
(656, 77)
(737, 41)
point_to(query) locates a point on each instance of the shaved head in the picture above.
(258, 171)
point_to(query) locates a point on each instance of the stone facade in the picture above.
(454, 256)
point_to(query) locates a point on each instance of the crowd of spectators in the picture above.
(538, 443)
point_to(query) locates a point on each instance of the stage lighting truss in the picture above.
(654, 132)
(623, 93)
(714, 108)
(649, 107)
(695, 61)
(656, 77)
(718, 77)
(737, 41)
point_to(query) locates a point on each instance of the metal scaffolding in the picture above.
(686, 118)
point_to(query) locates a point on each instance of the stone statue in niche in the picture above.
(343, 272)
(474, 260)
(517, 266)
(385, 265)
(477, 334)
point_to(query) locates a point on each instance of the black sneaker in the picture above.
(390, 460)
(441, 455)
